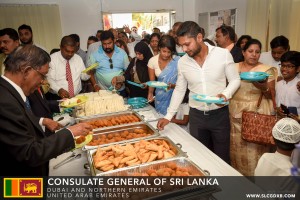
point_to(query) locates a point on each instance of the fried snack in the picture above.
(145, 157)
(167, 155)
(124, 160)
(152, 157)
(152, 147)
(132, 161)
(136, 163)
(160, 152)
(102, 163)
(117, 161)
(107, 168)
(80, 139)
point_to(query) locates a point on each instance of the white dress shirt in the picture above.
(273, 164)
(267, 59)
(57, 73)
(210, 79)
(183, 110)
(288, 94)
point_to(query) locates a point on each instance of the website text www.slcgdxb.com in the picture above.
(267, 196)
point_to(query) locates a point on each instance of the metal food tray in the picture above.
(104, 116)
(175, 147)
(128, 127)
(193, 169)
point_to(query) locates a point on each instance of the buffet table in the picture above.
(195, 150)
(233, 184)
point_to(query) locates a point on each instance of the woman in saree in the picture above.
(163, 67)
(245, 155)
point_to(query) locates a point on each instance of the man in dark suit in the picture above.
(44, 109)
(23, 145)
(225, 38)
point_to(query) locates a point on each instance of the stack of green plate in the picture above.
(137, 102)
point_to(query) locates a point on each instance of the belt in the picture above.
(211, 112)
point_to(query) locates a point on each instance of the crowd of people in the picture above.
(32, 81)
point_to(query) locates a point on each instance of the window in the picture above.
(143, 21)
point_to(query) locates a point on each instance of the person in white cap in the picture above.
(286, 134)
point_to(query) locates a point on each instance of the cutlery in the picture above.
(73, 156)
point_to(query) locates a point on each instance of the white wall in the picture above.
(203, 6)
(84, 16)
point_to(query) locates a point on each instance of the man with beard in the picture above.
(65, 73)
(9, 42)
(112, 61)
(25, 35)
(204, 69)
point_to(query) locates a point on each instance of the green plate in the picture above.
(93, 66)
(88, 138)
(69, 102)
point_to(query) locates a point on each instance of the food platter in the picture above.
(157, 84)
(254, 76)
(126, 133)
(74, 101)
(122, 146)
(208, 99)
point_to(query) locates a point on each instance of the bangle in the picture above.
(95, 85)
(266, 90)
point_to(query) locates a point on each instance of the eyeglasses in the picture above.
(43, 76)
(288, 66)
(111, 63)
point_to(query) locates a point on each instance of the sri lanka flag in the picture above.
(23, 187)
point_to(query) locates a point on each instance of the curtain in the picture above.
(257, 20)
(43, 19)
(267, 19)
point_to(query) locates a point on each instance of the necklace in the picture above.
(163, 63)
(246, 68)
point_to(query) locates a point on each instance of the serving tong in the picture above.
(73, 156)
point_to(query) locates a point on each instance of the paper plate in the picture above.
(135, 84)
(157, 84)
(254, 76)
(93, 66)
(208, 99)
(88, 138)
(73, 102)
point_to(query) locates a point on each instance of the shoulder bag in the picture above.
(257, 128)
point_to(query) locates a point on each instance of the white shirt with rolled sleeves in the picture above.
(210, 79)
(57, 73)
